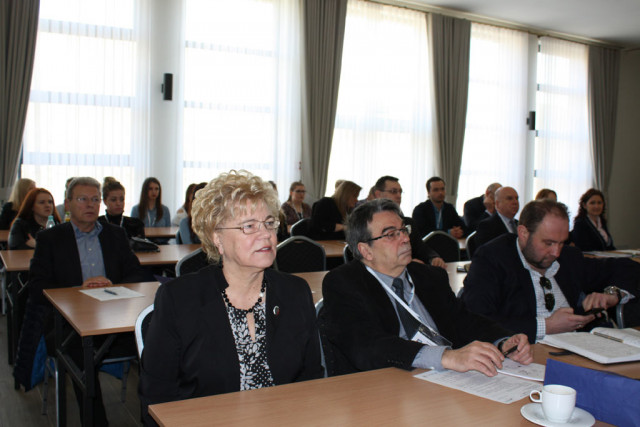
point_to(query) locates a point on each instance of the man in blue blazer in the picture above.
(383, 310)
(82, 252)
(532, 282)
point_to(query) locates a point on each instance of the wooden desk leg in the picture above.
(89, 376)
(61, 388)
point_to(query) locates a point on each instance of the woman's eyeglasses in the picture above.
(251, 227)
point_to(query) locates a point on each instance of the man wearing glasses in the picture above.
(388, 187)
(532, 282)
(383, 310)
(82, 252)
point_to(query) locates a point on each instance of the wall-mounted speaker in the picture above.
(167, 87)
(531, 120)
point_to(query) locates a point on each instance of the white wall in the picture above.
(166, 47)
(624, 192)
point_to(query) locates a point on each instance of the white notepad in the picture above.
(111, 293)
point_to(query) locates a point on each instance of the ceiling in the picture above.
(614, 22)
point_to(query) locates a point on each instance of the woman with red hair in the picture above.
(31, 218)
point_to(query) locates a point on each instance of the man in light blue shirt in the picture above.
(84, 253)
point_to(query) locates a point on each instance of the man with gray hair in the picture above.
(503, 219)
(383, 310)
(82, 252)
(388, 187)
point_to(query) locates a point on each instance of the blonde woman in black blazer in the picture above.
(237, 326)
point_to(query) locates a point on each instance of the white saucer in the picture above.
(579, 418)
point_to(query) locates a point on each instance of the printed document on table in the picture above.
(115, 292)
(597, 348)
(632, 252)
(603, 254)
(532, 371)
(501, 388)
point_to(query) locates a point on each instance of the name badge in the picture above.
(422, 339)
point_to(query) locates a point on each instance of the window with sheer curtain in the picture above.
(496, 132)
(85, 117)
(242, 89)
(562, 159)
(384, 114)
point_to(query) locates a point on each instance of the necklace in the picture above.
(245, 312)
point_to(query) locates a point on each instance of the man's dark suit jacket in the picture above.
(360, 327)
(424, 218)
(190, 350)
(587, 237)
(490, 228)
(474, 212)
(56, 264)
(498, 286)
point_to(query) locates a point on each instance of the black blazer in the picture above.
(324, 217)
(190, 350)
(360, 326)
(134, 227)
(20, 231)
(56, 264)
(587, 237)
(490, 228)
(474, 212)
(56, 260)
(424, 218)
(498, 285)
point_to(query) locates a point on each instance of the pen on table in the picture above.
(511, 350)
(607, 336)
(110, 292)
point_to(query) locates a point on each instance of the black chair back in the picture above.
(300, 228)
(299, 254)
(347, 255)
(444, 244)
(142, 324)
(192, 262)
(471, 244)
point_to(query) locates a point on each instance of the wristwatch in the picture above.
(613, 290)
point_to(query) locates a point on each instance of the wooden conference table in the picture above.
(17, 261)
(387, 396)
(160, 232)
(333, 248)
(90, 317)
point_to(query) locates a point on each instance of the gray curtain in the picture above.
(450, 41)
(324, 22)
(604, 75)
(18, 31)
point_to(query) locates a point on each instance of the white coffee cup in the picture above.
(557, 401)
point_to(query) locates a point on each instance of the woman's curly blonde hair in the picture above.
(224, 198)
